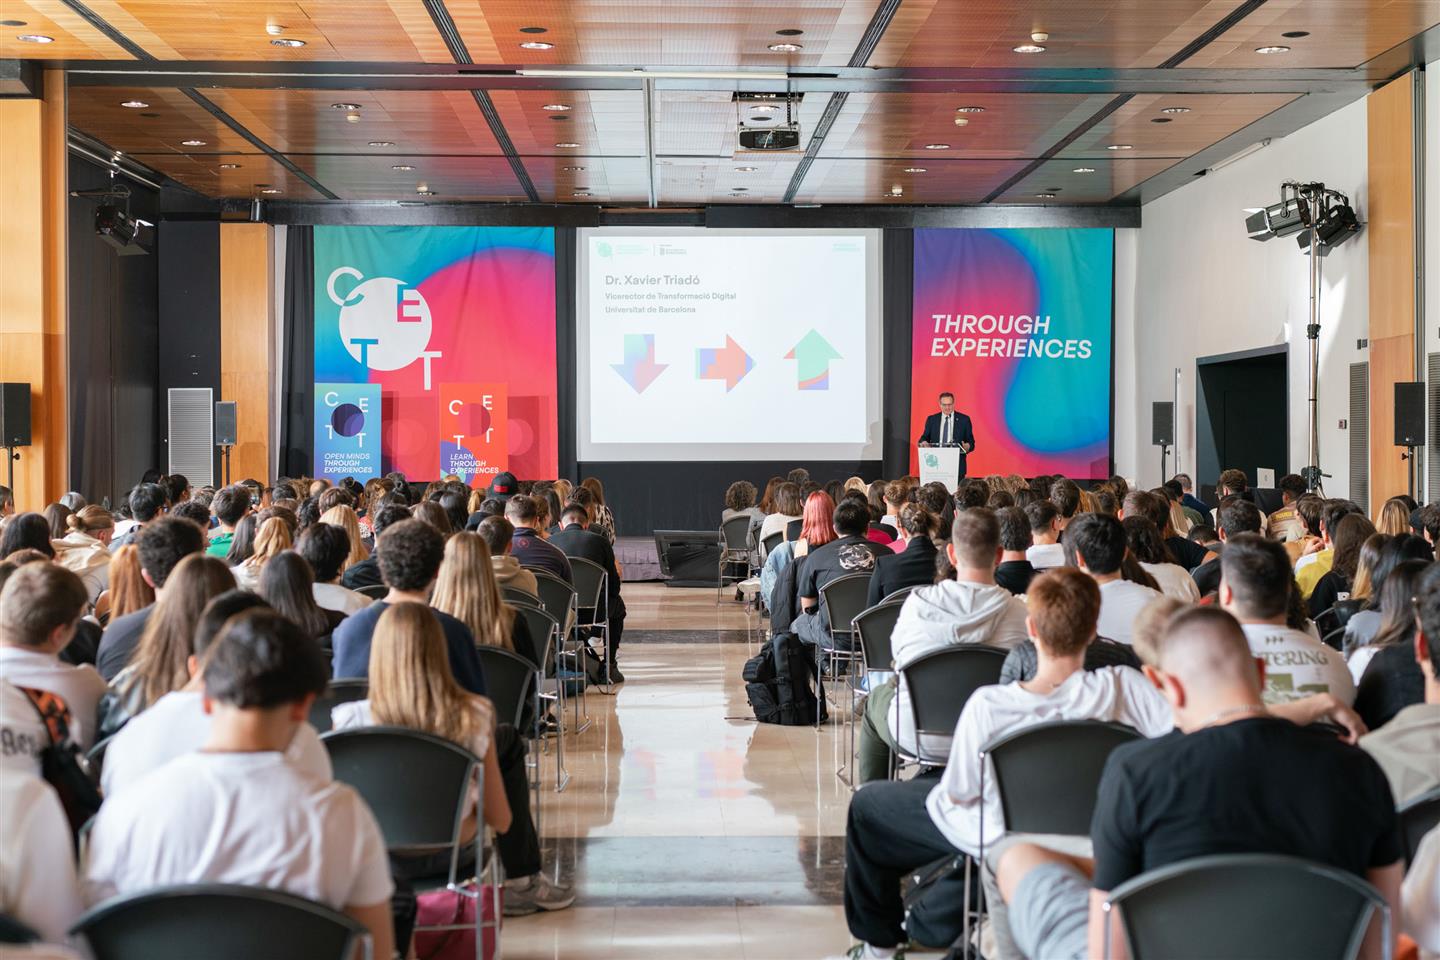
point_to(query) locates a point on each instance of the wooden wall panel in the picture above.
(32, 282)
(246, 343)
(1390, 235)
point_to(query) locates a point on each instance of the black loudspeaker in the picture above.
(225, 423)
(1162, 424)
(1410, 414)
(14, 415)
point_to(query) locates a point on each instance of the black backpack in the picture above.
(783, 685)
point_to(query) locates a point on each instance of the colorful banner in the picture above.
(1017, 324)
(433, 314)
(348, 431)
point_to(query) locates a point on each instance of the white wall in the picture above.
(1202, 287)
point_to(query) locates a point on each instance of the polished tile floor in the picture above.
(689, 830)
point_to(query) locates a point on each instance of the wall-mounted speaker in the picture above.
(225, 423)
(1410, 414)
(15, 415)
(1162, 423)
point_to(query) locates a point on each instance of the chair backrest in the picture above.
(13, 931)
(220, 921)
(1246, 905)
(735, 534)
(590, 582)
(844, 598)
(899, 595)
(519, 598)
(416, 784)
(543, 630)
(509, 682)
(771, 542)
(1417, 818)
(1047, 775)
(338, 692)
(940, 682)
(557, 597)
(875, 624)
(375, 591)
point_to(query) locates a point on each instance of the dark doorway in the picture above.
(1242, 413)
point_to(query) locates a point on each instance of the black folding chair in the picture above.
(13, 931)
(1417, 818)
(872, 627)
(545, 634)
(338, 692)
(939, 684)
(1227, 905)
(899, 595)
(734, 548)
(592, 597)
(375, 591)
(559, 599)
(418, 786)
(220, 921)
(518, 598)
(768, 544)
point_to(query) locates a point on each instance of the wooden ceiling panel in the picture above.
(451, 178)
(1211, 118)
(903, 124)
(1342, 33)
(254, 173)
(157, 129)
(610, 180)
(607, 123)
(71, 36)
(1071, 183)
(941, 182)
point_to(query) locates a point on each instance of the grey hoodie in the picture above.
(510, 574)
(949, 612)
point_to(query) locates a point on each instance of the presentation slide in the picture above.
(698, 344)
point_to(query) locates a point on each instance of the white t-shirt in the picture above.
(38, 885)
(176, 725)
(1120, 603)
(80, 687)
(1175, 581)
(356, 713)
(1043, 556)
(1297, 665)
(1116, 694)
(1420, 897)
(251, 818)
(23, 736)
(332, 596)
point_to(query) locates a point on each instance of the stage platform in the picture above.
(637, 558)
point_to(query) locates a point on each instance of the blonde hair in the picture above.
(411, 684)
(1150, 625)
(344, 517)
(91, 519)
(1178, 521)
(855, 483)
(477, 497)
(160, 664)
(128, 590)
(272, 538)
(1393, 518)
(563, 489)
(467, 590)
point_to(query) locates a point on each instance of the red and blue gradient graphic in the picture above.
(417, 308)
(1032, 414)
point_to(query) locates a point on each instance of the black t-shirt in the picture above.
(1187, 553)
(118, 642)
(1327, 592)
(1256, 785)
(1015, 576)
(836, 559)
(1207, 577)
(1392, 681)
(366, 573)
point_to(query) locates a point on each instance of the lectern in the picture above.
(940, 464)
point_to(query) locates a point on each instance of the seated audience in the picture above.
(1015, 571)
(26, 531)
(1394, 516)
(238, 811)
(1285, 524)
(366, 573)
(410, 555)
(128, 590)
(177, 724)
(162, 544)
(192, 510)
(1157, 801)
(467, 590)
(344, 517)
(851, 552)
(1318, 557)
(272, 537)
(40, 605)
(1148, 548)
(818, 529)
(38, 884)
(577, 540)
(1234, 483)
(289, 587)
(85, 548)
(604, 519)
(896, 827)
(1420, 897)
(1097, 543)
(230, 506)
(1255, 587)
(914, 566)
(411, 686)
(499, 535)
(1350, 535)
(146, 502)
(326, 548)
(1236, 516)
(526, 543)
(740, 501)
(1392, 680)
(970, 609)
(1045, 550)
(1362, 626)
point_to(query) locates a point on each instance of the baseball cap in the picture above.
(503, 486)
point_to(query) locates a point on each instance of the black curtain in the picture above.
(297, 421)
(897, 284)
(565, 294)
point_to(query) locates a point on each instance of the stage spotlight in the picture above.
(1277, 220)
(1335, 225)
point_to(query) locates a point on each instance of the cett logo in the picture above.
(384, 324)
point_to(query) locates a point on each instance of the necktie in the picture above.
(945, 434)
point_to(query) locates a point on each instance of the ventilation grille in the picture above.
(1360, 435)
(192, 435)
(1432, 428)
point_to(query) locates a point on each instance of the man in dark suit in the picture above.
(575, 539)
(949, 429)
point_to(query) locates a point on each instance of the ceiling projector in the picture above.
(767, 121)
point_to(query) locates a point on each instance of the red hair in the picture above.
(817, 526)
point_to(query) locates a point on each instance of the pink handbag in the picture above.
(448, 907)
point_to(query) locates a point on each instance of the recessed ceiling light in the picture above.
(34, 38)
(914, 169)
(581, 193)
(962, 121)
(566, 145)
(1275, 48)
(1295, 34)
(192, 143)
(536, 45)
(764, 108)
(1029, 48)
(785, 48)
(352, 107)
(1160, 120)
(557, 107)
(560, 116)
(746, 169)
(739, 189)
(1083, 170)
(229, 166)
(259, 185)
(969, 109)
(382, 143)
(134, 104)
(788, 32)
(425, 193)
(572, 169)
(1044, 196)
(152, 116)
(270, 190)
(937, 146)
(402, 166)
(286, 42)
(12, 23)
(1120, 146)
(533, 29)
(1174, 109)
